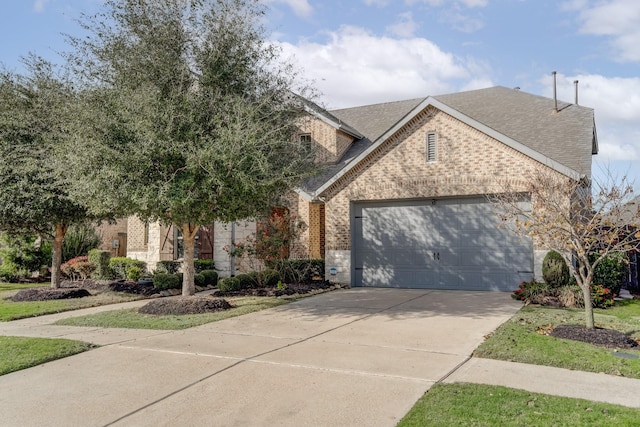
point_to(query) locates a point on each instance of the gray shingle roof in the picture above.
(566, 136)
(374, 120)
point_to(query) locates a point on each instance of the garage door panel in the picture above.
(452, 244)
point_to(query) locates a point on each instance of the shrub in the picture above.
(134, 273)
(203, 264)
(170, 267)
(210, 277)
(120, 266)
(267, 278)
(300, 270)
(570, 296)
(229, 284)
(164, 281)
(79, 240)
(199, 279)
(555, 271)
(246, 281)
(611, 272)
(77, 268)
(601, 296)
(100, 259)
(532, 292)
(22, 254)
(9, 272)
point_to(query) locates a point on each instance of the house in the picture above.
(401, 201)
(404, 204)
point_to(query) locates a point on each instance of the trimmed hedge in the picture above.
(555, 271)
(229, 284)
(203, 264)
(199, 279)
(100, 259)
(164, 281)
(120, 266)
(210, 276)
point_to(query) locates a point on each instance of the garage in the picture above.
(436, 244)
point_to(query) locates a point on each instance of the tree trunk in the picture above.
(56, 255)
(588, 307)
(189, 233)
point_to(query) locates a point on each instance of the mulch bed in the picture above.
(291, 289)
(44, 294)
(185, 305)
(600, 337)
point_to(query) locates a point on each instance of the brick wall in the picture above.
(113, 232)
(469, 163)
(329, 144)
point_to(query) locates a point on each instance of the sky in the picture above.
(358, 52)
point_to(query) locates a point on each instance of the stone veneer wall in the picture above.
(223, 238)
(468, 163)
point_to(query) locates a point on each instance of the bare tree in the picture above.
(585, 221)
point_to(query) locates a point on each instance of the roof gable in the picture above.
(525, 122)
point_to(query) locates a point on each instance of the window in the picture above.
(432, 147)
(178, 244)
(305, 138)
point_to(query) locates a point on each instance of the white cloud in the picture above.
(462, 21)
(618, 19)
(465, 3)
(355, 67)
(39, 5)
(404, 27)
(379, 3)
(301, 8)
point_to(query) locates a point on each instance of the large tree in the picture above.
(36, 120)
(190, 115)
(585, 221)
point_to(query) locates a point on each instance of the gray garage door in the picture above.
(437, 244)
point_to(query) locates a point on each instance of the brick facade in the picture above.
(329, 144)
(114, 237)
(469, 163)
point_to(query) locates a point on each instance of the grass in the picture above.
(482, 405)
(20, 352)
(132, 319)
(10, 310)
(523, 339)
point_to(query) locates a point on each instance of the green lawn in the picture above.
(523, 339)
(133, 319)
(10, 310)
(482, 405)
(20, 352)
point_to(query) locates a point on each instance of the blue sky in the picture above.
(367, 51)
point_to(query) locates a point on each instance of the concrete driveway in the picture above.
(349, 357)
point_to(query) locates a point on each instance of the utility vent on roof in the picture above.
(432, 146)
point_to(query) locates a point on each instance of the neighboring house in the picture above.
(402, 202)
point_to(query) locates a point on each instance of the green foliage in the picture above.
(532, 292)
(555, 271)
(601, 297)
(203, 264)
(134, 273)
(101, 260)
(170, 267)
(300, 270)
(79, 240)
(246, 281)
(78, 268)
(222, 152)
(120, 266)
(268, 278)
(21, 255)
(611, 272)
(229, 284)
(210, 277)
(199, 279)
(164, 281)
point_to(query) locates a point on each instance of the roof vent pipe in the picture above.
(555, 95)
(575, 82)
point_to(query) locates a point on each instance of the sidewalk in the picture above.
(549, 380)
